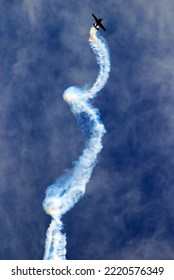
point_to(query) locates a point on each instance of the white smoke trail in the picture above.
(68, 189)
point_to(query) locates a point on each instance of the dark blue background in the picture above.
(128, 209)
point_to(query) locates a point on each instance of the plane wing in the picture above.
(101, 25)
(96, 19)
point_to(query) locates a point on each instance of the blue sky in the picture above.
(128, 209)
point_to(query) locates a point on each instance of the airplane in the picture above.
(98, 23)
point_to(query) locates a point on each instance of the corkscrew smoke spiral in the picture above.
(69, 188)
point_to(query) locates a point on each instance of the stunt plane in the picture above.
(98, 23)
